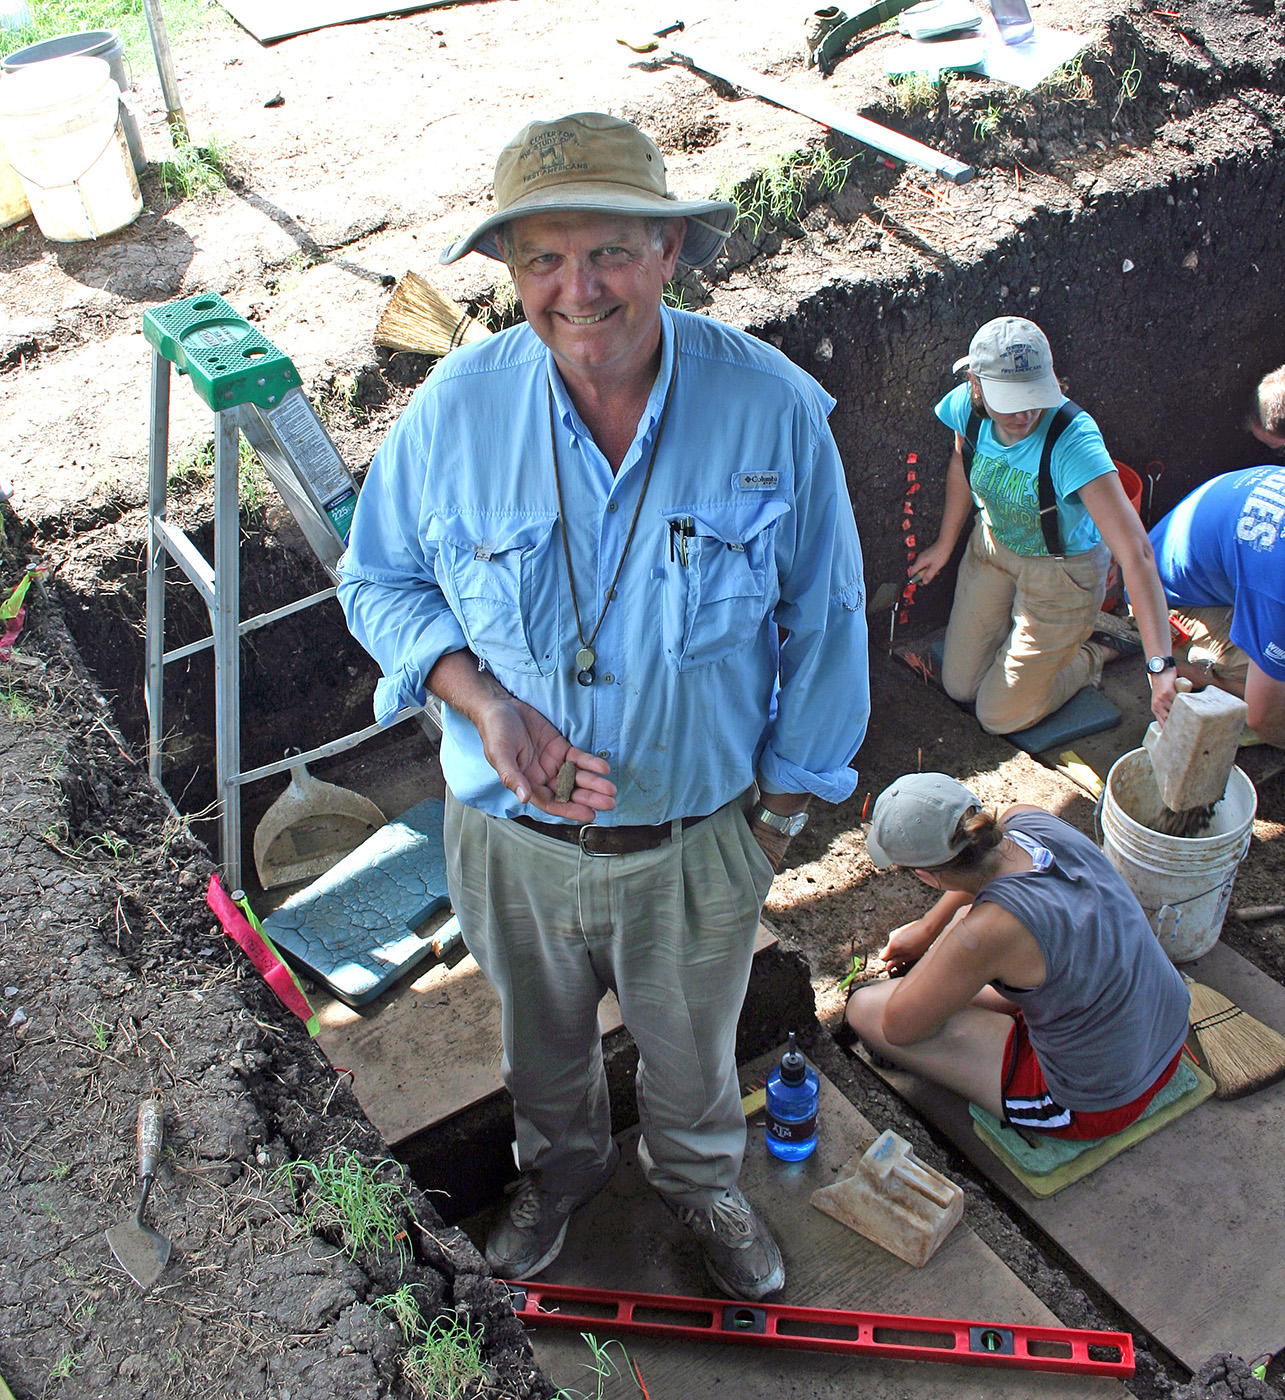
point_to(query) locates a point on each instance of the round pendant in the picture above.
(585, 677)
(585, 658)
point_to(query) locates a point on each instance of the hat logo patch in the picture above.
(548, 148)
(1022, 357)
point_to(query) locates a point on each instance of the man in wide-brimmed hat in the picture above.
(616, 542)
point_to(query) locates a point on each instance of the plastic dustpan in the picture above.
(310, 827)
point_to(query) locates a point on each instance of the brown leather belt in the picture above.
(596, 840)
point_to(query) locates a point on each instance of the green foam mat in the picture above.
(354, 929)
(1044, 1165)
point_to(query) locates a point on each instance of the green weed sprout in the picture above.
(349, 1196)
(194, 170)
(602, 1369)
(986, 123)
(1130, 82)
(444, 1357)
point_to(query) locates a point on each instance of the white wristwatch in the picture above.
(789, 825)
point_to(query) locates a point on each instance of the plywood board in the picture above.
(625, 1238)
(1186, 1230)
(429, 1048)
(271, 20)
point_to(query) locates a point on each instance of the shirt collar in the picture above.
(572, 421)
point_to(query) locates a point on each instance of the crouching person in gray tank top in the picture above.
(1036, 987)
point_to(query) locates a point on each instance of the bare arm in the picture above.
(1266, 700)
(525, 750)
(955, 515)
(987, 943)
(1121, 529)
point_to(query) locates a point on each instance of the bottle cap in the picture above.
(794, 1067)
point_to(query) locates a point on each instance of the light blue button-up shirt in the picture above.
(456, 543)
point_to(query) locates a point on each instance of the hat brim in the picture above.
(1021, 396)
(709, 221)
(879, 858)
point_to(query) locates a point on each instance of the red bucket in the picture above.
(1132, 484)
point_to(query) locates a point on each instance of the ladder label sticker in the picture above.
(295, 424)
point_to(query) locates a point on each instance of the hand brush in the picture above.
(420, 319)
(1242, 1054)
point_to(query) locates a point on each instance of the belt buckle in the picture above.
(580, 841)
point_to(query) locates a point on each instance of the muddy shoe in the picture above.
(740, 1254)
(819, 24)
(1119, 633)
(528, 1236)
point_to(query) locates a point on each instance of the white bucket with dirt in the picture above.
(13, 198)
(61, 131)
(1182, 882)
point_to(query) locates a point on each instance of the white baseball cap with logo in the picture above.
(1011, 357)
(916, 819)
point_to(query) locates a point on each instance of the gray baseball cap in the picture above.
(915, 819)
(590, 163)
(1011, 357)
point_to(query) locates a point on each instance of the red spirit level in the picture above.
(889, 1335)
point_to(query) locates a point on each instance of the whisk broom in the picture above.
(420, 319)
(1242, 1054)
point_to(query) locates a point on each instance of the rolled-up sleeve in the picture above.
(823, 705)
(388, 587)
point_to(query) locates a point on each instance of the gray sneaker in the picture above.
(528, 1236)
(740, 1254)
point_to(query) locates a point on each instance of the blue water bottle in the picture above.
(793, 1090)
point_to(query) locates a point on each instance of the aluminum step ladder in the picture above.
(253, 389)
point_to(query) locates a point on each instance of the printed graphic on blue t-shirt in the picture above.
(1223, 547)
(1005, 480)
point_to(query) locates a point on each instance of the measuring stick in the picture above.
(881, 138)
(891, 1336)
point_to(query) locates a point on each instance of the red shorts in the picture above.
(1029, 1105)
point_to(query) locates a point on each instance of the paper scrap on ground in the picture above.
(1027, 65)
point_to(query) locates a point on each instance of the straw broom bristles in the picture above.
(1242, 1054)
(420, 319)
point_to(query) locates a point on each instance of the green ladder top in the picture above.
(228, 361)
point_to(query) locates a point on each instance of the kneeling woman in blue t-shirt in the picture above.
(1017, 642)
(1037, 990)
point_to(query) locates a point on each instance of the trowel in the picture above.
(141, 1251)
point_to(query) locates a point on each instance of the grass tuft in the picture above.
(349, 1197)
(443, 1358)
(194, 169)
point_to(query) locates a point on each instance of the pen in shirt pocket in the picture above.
(681, 531)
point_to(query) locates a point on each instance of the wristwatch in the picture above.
(789, 825)
(1157, 665)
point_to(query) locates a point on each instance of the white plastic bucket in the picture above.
(61, 131)
(1182, 882)
(96, 43)
(13, 198)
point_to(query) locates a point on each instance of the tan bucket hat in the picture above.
(595, 164)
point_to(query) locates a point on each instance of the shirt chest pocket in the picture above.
(501, 581)
(719, 579)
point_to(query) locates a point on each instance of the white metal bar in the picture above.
(882, 138)
(349, 741)
(158, 439)
(189, 559)
(227, 646)
(253, 624)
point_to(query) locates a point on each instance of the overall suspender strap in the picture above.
(1048, 496)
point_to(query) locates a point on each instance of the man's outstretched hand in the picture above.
(527, 753)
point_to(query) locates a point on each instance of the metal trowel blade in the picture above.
(141, 1251)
